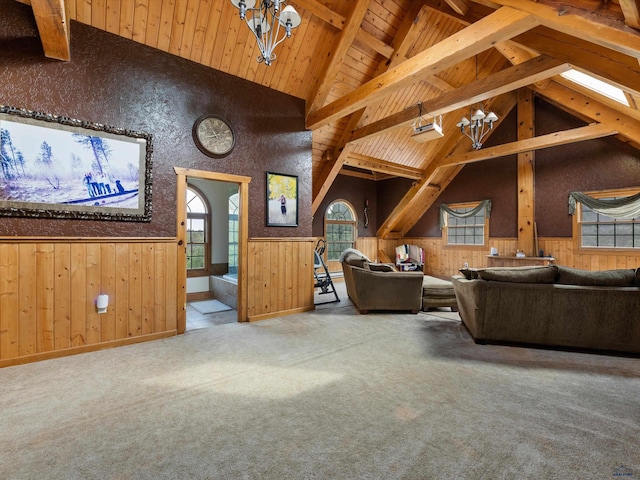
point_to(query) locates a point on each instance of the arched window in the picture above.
(198, 248)
(340, 229)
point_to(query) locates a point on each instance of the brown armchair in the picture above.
(374, 286)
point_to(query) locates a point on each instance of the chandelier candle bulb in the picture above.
(478, 127)
(265, 21)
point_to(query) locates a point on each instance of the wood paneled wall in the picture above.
(444, 262)
(280, 277)
(48, 287)
(367, 245)
(48, 290)
(565, 253)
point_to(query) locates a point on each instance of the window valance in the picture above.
(483, 205)
(622, 208)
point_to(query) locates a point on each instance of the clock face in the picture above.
(213, 136)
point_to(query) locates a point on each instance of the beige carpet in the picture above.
(325, 395)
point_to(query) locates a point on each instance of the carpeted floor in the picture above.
(329, 394)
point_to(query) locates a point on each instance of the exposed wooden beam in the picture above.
(579, 23)
(393, 220)
(353, 173)
(555, 139)
(616, 68)
(604, 100)
(53, 28)
(415, 21)
(506, 80)
(631, 12)
(323, 83)
(459, 6)
(585, 107)
(501, 25)
(326, 178)
(382, 166)
(526, 177)
(365, 40)
(322, 12)
(338, 21)
(401, 42)
(427, 197)
(442, 177)
(333, 163)
(413, 205)
(407, 213)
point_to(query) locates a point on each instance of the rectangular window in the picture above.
(596, 230)
(233, 243)
(472, 230)
(340, 236)
(196, 244)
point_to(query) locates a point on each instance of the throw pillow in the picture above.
(350, 251)
(380, 267)
(469, 273)
(355, 260)
(601, 278)
(545, 274)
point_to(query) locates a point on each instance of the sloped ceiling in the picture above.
(368, 68)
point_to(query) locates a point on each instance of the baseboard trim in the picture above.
(36, 357)
(282, 313)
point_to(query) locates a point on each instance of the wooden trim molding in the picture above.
(88, 239)
(36, 357)
(243, 235)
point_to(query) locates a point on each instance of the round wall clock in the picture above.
(213, 136)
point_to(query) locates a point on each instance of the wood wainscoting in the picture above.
(369, 246)
(566, 253)
(280, 277)
(445, 262)
(49, 286)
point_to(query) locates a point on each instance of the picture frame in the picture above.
(282, 200)
(53, 166)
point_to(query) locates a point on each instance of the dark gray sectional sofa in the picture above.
(552, 306)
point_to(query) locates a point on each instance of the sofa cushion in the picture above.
(380, 267)
(638, 276)
(533, 274)
(437, 287)
(602, 278)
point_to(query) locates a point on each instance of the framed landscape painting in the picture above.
(282, 200)
(57, 167)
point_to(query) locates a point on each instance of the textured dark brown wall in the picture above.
(592, 165)
(491, 179)
(114, 81)
(601, 164)
(390, 192)
(355, 191)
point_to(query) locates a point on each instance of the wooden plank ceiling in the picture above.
(365, 66)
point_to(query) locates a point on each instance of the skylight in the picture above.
(598, 86)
